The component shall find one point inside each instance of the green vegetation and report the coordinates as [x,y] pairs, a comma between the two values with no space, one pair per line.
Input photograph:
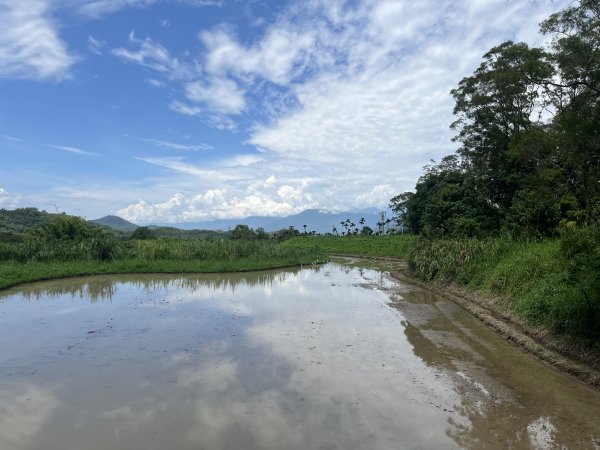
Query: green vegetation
[14,273]
[549,282]
[66,246]
[394,246]
[515,172]
[14,223]
[514,213]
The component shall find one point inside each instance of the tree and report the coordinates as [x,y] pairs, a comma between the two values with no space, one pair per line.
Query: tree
[286,233]
[142,233]
[576,55]
[493,105]
[261,233]
[366,231]
[446,201]
[62,227]
[243,232]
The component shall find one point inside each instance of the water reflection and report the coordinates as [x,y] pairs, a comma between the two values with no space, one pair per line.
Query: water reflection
[293,359]
[102,288]
[510,399]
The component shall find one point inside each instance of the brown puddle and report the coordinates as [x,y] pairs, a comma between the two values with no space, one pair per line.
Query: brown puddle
[328,357]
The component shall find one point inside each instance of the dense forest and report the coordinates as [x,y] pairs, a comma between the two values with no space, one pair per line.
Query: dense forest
[528,125]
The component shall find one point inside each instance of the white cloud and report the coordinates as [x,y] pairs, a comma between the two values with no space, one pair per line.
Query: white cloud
[273,58]
[75,150]
[144,212]
[30,46]
[185,109]
[220,204]
[178,165]
[12,138]
[98,8]
[8,200]
[177,146]
[152,55]
[346,100]
[94,45]
[220,95]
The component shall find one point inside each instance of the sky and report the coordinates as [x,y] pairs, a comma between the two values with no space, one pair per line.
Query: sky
[172,111]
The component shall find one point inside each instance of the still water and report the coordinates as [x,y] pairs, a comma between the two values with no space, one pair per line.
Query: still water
[332,357]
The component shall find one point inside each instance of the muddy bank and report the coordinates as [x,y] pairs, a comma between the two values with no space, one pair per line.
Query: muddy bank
[551,349]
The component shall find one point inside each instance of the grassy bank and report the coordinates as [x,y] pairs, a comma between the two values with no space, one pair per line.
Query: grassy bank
[550,283]
[27,262]
[381,246]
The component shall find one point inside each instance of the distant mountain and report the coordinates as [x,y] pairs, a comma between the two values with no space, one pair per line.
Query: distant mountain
[314,219]
[116,223]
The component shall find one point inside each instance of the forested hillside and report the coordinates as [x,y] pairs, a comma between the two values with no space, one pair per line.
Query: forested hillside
[13,223]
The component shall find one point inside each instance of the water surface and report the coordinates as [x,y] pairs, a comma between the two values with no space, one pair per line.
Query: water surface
[333,357]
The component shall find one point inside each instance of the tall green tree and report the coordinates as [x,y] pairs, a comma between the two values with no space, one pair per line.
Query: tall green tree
[575,52]
[499,101]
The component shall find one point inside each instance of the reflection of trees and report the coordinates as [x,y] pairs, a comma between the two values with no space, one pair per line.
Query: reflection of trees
[102,288]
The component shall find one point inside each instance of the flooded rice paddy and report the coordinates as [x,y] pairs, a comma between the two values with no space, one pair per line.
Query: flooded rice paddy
[330,357]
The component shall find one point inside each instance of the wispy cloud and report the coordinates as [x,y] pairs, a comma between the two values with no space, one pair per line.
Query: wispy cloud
[95,46]
[98,8]
[177,146]
[75,150]
[219,95]
[12,138]
[180,166]
[154,56]
[30,46]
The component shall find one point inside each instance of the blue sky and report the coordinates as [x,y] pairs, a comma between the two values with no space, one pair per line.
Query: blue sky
[191,110]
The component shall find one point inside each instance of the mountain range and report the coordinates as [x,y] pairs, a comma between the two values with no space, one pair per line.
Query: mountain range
[314,219]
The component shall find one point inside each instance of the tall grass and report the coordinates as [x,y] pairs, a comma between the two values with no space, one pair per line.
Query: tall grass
[391,246]
[37,259]
[552,283]
[108,249]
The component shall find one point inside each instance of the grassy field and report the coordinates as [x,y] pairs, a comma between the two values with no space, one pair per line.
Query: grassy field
[22,263]
[383,246]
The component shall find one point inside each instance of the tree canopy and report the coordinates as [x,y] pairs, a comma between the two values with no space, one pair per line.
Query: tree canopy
[528,125]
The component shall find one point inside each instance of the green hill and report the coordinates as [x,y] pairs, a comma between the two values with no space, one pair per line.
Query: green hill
[13,223]
[116,223]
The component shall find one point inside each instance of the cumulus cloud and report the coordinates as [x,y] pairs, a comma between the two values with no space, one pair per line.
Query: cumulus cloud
[8,200]
[261,197]
[346,101]
[30,45]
